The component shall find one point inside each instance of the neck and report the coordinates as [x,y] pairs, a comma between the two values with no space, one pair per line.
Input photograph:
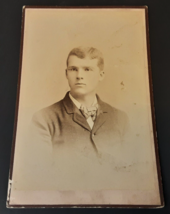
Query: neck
[86,100]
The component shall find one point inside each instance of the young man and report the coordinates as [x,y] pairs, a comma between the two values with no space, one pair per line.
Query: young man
[81,123]
[80,139]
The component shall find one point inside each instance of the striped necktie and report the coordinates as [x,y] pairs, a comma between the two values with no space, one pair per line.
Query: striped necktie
[89,112]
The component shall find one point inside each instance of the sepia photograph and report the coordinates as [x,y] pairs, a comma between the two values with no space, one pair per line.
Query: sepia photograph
[85,127]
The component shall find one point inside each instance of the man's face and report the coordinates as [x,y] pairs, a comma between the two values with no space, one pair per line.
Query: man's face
[83,75]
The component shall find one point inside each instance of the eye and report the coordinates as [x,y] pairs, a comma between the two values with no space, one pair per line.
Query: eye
[87,69]
[74,69]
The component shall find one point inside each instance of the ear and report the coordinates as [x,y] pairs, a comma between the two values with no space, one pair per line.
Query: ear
[66,72]
[102,75]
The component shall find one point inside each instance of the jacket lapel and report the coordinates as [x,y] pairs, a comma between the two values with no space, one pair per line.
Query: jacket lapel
[80,119]
[102,115]
[77,116]
[100,120]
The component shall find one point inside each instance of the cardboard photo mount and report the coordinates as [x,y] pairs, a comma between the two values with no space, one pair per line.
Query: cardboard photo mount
[49,33]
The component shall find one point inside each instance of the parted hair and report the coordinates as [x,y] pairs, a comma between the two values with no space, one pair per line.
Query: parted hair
[92,53]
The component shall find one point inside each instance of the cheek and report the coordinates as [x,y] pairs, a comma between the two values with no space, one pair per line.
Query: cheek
[93,79]
[70,77]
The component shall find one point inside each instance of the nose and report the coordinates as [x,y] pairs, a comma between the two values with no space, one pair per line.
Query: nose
[79,74]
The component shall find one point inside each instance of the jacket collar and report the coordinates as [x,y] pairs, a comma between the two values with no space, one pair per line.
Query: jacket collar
[68,104]
[70,107]
[78,117]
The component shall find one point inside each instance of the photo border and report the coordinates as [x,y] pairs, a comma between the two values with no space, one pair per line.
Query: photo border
[152,112]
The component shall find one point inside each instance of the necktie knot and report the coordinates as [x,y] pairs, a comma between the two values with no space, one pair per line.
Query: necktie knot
[89,112]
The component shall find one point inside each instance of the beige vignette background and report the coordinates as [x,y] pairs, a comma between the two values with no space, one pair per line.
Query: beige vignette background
[120,34]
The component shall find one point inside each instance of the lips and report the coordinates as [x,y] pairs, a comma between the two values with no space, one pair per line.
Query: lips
[80,84]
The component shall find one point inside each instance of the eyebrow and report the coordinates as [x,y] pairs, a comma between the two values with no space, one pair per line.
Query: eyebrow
[88,67]
[72,66]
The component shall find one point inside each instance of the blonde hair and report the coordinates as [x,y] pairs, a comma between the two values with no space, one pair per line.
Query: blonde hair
[92,53]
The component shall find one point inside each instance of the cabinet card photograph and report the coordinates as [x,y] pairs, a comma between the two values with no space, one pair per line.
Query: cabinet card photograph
[85,127]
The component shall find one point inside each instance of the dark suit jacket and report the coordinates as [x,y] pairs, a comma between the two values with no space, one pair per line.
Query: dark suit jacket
[63,153]
[62,127]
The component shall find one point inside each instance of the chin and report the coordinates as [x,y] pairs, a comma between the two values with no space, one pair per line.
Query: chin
[79,92]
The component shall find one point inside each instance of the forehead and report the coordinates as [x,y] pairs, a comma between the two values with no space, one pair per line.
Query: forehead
[75,61]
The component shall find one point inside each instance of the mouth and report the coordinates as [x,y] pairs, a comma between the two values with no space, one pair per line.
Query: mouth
[80,84]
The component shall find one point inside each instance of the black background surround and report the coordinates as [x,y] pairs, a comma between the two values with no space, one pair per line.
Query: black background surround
[10,35]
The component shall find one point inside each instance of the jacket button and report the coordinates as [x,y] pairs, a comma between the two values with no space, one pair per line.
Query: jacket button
[93,135]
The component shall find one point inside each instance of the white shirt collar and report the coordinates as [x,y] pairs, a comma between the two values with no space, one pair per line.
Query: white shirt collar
[79,104]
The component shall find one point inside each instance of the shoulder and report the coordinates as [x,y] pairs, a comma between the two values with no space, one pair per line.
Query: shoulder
[119,119]
[105,107]
[114,114]
[55,112]
[48,113]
